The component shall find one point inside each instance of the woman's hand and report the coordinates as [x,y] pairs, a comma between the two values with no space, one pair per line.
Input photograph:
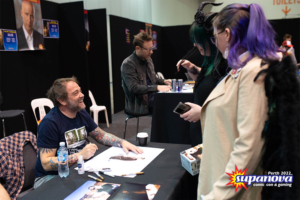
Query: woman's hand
[193,115]
[185,63]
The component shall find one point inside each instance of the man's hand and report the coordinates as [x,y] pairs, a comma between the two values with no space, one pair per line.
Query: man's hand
[88,151]
[130,147]
[168,81]
[193,115]
[185,63]
[163,88]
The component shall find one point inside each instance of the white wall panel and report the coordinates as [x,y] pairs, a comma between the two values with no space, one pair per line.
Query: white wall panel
[125,9]
[174,12]
[272,8]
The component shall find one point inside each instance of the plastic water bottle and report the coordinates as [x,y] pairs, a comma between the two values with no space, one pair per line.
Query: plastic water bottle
[63,158]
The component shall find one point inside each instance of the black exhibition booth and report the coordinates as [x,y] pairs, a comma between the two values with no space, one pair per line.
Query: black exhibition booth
[28,75]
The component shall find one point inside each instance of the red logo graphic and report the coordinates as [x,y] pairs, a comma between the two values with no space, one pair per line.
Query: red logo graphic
[233,179]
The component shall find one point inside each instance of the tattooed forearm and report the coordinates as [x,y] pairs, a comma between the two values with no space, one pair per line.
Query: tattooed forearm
[106,138]
[44,150]
[53,163]
[73,159]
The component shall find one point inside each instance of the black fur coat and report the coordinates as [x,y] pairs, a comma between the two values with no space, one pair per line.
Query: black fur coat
[281,152]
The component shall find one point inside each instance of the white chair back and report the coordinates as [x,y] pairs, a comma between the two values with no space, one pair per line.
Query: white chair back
[95,109]
[40,103]
[160,75]
[92,98]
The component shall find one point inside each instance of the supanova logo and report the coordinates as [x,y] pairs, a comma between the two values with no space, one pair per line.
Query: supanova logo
[239,179]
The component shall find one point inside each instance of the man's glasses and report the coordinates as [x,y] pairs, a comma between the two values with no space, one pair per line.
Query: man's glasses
[213,39]
[151,48]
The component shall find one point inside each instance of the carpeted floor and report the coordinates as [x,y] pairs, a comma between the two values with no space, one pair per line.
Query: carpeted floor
[118,125]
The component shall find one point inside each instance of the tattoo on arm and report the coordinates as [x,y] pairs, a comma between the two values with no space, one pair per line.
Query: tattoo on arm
[73,159]
[106,138]
[45,150]
[53,163]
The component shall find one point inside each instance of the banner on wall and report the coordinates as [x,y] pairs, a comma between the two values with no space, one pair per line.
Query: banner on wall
[127,36]
[154,36]
[8,40]
[29,25]
[87,30]
[51,28]
[148,28]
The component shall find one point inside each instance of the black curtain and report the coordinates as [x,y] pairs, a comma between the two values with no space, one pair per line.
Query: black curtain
[73,55]
[288,26]
[176,43]
[98,61]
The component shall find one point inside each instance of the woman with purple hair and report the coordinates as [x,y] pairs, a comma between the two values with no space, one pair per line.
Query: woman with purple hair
[250,121]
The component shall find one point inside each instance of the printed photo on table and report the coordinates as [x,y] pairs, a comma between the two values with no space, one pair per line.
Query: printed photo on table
[94,190]
[137,191]
[126,158]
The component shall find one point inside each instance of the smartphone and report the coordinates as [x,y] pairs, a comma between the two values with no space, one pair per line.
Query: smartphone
[181,108]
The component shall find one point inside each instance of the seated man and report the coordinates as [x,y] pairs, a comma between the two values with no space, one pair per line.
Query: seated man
[3,194]
[65,123]
[139,78]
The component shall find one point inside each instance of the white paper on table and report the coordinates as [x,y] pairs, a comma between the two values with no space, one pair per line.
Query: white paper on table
[119,167]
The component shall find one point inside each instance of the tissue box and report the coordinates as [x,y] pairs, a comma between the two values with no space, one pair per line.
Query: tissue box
[191,158]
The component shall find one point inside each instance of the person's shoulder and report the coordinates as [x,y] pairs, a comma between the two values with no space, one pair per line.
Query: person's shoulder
[253,65]
[52,115]
[50,121]
[128,62]
[256,64]
[129,59]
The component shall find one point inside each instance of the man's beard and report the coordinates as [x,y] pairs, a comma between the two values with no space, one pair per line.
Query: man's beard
[74,107]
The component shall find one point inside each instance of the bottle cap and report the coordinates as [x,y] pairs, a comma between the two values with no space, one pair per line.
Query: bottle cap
[62,144]
[80,158]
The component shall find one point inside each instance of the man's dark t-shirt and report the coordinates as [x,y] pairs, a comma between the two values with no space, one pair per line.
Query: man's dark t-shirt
[56,128]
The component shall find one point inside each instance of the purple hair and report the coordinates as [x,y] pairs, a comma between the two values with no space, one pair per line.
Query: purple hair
[250,31]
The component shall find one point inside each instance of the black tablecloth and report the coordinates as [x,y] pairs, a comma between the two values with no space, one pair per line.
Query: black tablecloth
[167,126]
[164,170]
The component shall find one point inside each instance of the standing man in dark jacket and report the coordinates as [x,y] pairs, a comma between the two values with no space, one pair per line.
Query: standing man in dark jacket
[139,79]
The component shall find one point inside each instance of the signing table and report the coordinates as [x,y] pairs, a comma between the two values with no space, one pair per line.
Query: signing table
[164,170]
[167,126]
